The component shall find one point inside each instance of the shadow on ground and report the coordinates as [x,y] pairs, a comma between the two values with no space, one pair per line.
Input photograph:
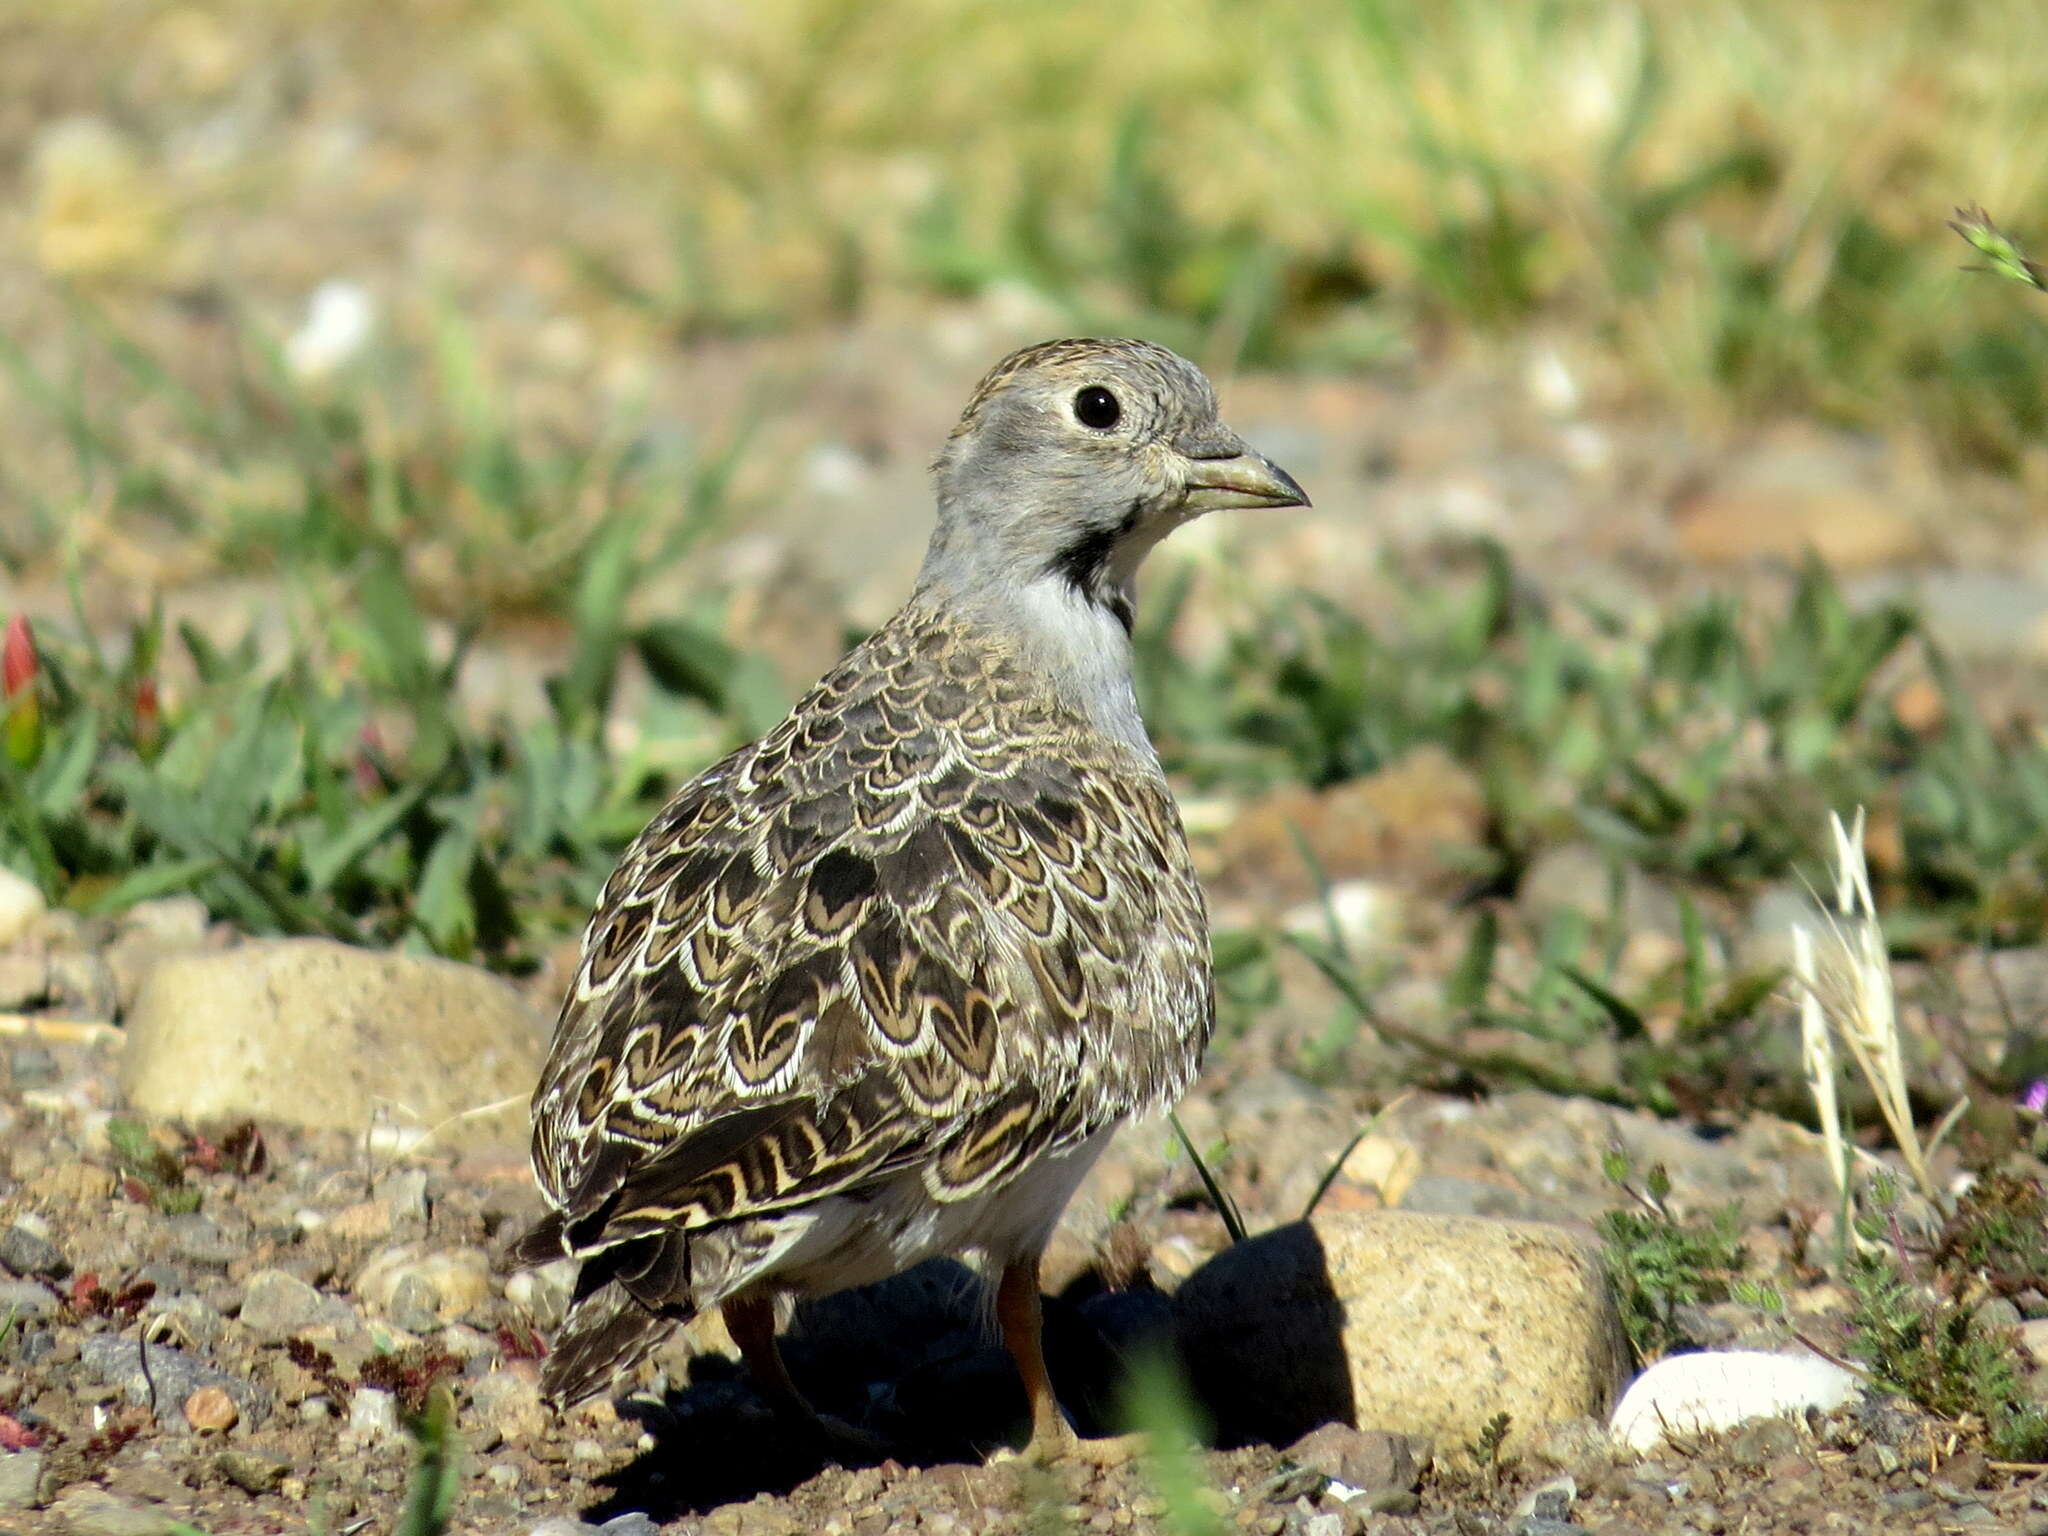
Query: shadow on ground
[914,1365]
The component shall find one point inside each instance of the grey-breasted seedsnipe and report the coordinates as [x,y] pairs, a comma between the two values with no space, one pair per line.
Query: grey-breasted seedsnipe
[881,985]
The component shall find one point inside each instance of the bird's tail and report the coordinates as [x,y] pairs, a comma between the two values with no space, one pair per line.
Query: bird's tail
[628,1296]
[605,1335]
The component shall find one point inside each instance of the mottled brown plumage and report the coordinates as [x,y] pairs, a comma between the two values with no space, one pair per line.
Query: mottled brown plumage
[879,984]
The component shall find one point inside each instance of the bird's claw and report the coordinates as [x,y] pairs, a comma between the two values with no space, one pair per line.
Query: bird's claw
[1062,1447]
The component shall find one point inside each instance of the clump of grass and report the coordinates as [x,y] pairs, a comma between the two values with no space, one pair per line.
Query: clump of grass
[1697,747]
[1658,1263]
[436,1473]
[1998,1233]
[1845,989]
[1911,1314]
[1485,1449]
[1340,176]
[340,792]
[1701,742]
[413,455]
[1917,1336]
[150,1170]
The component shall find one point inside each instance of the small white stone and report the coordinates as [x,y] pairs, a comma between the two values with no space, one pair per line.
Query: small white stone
[21,903]
[1719,1389]
[339,320]
[1550,382]
[373,1413]
[1367,914]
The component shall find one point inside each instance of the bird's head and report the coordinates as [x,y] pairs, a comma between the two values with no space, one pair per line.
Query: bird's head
[1073,458]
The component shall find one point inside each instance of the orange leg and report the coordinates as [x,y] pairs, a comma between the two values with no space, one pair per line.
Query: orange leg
[1023,1324]
[750,1319]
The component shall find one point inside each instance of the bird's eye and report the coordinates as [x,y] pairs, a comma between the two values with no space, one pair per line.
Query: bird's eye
[1096,407]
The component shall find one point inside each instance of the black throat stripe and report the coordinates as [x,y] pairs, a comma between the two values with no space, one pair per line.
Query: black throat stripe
[1083,562]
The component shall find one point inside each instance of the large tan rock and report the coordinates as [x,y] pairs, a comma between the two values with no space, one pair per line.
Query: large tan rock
[315,1034]
[1422,1325]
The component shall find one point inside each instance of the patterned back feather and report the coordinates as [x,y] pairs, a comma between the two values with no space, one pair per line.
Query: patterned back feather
[909,929]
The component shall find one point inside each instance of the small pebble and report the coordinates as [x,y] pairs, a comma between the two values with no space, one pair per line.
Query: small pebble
[27,1253]
[211,1409]
[1552,1501]
[21,903]
[33,1067]
[252,1471]
[373,1413]
[21,1474]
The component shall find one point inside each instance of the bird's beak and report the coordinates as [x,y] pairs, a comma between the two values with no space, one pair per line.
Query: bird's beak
[1228,474]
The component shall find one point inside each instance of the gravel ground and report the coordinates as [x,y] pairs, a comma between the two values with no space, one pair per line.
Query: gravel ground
[231,1330]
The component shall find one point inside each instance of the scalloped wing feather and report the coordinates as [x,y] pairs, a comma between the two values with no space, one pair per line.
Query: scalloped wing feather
[929,922]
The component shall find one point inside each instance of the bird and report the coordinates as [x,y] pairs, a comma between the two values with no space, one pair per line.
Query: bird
[880,986]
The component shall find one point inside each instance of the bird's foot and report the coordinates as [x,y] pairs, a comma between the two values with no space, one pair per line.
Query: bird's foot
[1062,1447]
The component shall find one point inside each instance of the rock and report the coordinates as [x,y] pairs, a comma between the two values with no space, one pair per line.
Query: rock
[252,1471]
[509,1402]
[1990,614]
[1366,1460]
[316,1034]
[276,1306]
[149,931]
[198,1238]
[26,1301]
[1423,1325]
[1715,1390]
[1578,877]
[21,1475]
[210,1410]
[81,983]
[167,1378]
[1799,490]
[88,1511]
[1761,1442]
[543,1293]
[1551,1501]
[1400,820]
[420,1288]
[373,1414]
[365,1221]
[24,978]
[29,1253]
[21,906]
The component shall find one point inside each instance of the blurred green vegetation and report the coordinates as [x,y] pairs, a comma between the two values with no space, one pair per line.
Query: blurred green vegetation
[1742,203]
[1744,200]
[1740,206]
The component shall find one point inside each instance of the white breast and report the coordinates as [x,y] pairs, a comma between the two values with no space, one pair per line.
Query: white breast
[1086,655]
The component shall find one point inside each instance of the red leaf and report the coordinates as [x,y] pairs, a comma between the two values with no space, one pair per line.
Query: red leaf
[17,1436]
[18,664]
